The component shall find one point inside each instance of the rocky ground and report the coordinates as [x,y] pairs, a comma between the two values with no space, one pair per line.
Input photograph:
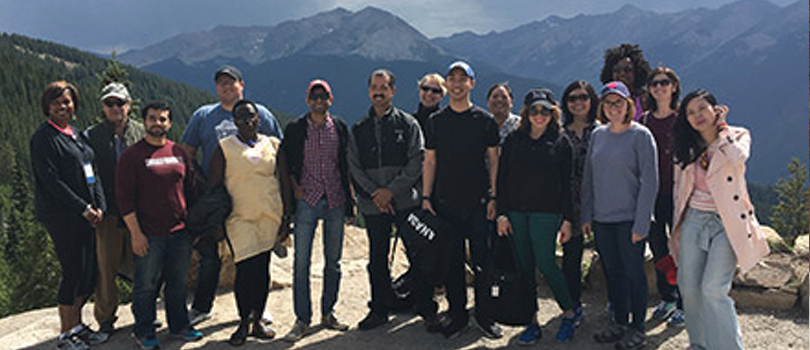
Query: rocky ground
[762,329]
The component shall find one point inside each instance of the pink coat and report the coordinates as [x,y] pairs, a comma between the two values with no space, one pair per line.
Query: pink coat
[726,181]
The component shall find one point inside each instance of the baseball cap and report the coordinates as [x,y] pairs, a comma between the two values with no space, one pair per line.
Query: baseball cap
[464,66]
[540,96]
[614,87]
[321,83]
[230,71]
[116,90]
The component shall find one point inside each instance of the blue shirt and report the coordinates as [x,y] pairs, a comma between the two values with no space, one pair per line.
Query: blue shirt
[211,123]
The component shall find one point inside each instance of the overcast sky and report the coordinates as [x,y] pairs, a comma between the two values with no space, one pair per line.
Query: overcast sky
[102,25]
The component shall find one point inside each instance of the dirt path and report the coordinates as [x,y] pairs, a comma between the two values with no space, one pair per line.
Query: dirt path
[37,329]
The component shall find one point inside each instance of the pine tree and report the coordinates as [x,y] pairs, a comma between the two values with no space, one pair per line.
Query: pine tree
[791,217]
[115,73]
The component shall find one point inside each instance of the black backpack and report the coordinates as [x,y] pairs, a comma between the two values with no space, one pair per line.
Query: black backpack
[507,296]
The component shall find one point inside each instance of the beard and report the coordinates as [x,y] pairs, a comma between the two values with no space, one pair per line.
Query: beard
[156,132]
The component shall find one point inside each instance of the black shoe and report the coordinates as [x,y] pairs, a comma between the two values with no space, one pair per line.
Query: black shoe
[433,324]
[455,327]
[240,335]
[489,328]
[372,320]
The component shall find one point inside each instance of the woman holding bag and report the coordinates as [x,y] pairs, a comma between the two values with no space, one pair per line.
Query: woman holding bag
[534,184]
[714,224]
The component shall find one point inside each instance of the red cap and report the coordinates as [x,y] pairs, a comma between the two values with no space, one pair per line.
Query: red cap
[322,83]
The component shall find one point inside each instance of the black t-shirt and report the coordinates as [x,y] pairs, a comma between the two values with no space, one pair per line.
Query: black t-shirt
[460,141]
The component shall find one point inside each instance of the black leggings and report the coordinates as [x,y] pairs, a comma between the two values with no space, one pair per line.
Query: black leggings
[74,241]
[252,285]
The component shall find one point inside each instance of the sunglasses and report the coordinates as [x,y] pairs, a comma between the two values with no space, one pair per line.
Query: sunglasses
[661,82]
[431,89]
[541,111]
[580,97]
[319,96]
[114,102]
[622,69]
[615,104]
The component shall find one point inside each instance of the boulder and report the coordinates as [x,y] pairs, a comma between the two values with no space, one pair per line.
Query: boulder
[775,241]
[802,246]
[772,284]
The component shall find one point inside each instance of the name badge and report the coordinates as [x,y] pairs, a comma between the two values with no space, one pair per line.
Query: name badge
[89,174]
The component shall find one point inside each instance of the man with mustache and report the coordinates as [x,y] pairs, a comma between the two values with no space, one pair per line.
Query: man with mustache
[385,160]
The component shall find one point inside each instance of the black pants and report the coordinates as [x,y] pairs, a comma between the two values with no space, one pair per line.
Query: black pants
[475,228]
[658,245]
[252,285]
[208,276]
[379,230]
[572,267]
[74,241]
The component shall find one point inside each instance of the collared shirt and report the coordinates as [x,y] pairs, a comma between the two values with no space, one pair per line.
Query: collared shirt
[509,125]
[320,175]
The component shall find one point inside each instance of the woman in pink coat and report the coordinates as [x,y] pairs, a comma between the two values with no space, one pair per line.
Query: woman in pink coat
[715,229]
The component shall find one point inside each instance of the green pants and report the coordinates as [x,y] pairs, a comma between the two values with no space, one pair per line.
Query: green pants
[535,239]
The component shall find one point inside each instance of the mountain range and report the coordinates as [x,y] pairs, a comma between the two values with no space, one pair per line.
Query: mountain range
[750,53]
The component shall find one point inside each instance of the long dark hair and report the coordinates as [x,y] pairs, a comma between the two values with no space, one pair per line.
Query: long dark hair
[688,142]
[568,118]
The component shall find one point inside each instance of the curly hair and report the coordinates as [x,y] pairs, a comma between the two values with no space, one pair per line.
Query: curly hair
[641,68]
[688,143]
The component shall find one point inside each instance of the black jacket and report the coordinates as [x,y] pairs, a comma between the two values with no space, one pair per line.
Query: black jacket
[293,147]
[101,138]
[210,212]
[61,189]
[535,175]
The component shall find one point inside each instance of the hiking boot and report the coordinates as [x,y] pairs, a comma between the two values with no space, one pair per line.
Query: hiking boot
[489,328]
[329,321]
[190,334]
[91,337]
[677,319]
[663,309]
[372,320]
[299,330]
[566,331]
[530,335]
[196,317]
[71,343]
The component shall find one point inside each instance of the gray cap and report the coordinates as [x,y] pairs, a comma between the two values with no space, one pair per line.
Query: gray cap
[116,90]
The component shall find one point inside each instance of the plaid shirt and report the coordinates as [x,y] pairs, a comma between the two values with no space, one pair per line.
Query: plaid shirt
[320,174]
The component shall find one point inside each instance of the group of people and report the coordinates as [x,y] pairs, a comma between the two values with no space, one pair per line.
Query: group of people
[630,164]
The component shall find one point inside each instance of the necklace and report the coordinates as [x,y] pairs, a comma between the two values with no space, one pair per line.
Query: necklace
[704,160]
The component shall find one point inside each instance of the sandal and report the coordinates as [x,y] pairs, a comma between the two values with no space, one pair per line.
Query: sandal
[634,339]
[611,334]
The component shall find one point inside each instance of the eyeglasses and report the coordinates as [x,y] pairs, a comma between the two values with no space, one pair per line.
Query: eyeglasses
[623,69]
[319,96]
[431,89]
[661,82]
[580,97]
[615,104]
[541,111]
[113,102]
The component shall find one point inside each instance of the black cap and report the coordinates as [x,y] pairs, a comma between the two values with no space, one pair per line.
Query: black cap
[230,71]
[540,96]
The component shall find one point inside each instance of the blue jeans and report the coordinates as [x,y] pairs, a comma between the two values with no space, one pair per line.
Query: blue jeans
[166,260]
[306,220]
[624,264]
[706,265]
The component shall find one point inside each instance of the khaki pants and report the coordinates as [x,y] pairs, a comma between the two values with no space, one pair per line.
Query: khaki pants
[114,254]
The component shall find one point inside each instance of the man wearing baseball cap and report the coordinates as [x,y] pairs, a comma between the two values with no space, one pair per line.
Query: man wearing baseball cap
[459,174]
[316,149]
[108,139]
[207,126]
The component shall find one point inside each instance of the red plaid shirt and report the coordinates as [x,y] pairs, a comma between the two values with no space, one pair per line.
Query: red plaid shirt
[320,174]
